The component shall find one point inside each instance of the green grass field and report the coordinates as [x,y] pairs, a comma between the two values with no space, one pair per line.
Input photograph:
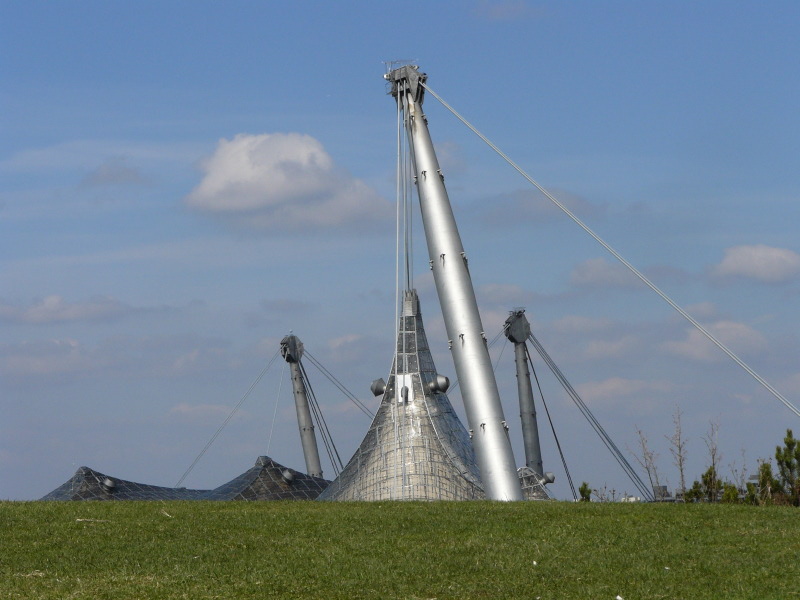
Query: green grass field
[397,550]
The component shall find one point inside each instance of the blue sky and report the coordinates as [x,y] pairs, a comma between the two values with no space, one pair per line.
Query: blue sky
[154,249]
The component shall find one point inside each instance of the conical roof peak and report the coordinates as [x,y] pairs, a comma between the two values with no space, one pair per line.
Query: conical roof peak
[416,447]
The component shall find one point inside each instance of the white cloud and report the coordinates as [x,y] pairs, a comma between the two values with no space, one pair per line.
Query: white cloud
[580,324]
[598,272]
[493,321]
[740,338]
[346,349]
[54,309]
[450,157]
[344,341]
[702,310]
[279,180]
[619,388]
[610,348]
[507,295]
[198,360]
[759,262]
[35,359]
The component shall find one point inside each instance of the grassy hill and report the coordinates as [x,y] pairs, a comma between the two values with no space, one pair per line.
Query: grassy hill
[439,550]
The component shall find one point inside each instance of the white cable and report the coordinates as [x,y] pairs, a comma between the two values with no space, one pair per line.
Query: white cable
[227,420]
[399,177]
[397,302]
[275,410]
[629,266]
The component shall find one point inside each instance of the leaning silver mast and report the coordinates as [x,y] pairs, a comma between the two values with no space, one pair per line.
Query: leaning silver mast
[457,298]
[292,352]
[517,329]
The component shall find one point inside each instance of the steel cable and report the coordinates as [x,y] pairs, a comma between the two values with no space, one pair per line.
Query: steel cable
[601,432]
[350,396]
[552,427]
[622,260]
[227,420]
[327,438]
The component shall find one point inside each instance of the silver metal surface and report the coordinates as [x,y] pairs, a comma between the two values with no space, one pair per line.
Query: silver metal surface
[457,298]
[416,447]
[533,484]
[267,480]
[517,329]
[292,352]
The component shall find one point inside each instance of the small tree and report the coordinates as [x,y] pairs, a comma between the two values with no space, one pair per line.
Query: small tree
[768,486]
[604,494]
[739,476]
[788,459]
[712,484]
[678,448]
[695,493]
[751,495]
[730,493]
[647,459]
[586,492]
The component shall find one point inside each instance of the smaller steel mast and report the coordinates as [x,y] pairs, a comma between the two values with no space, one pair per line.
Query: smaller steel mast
[292,352]
[448,261]
[517,330]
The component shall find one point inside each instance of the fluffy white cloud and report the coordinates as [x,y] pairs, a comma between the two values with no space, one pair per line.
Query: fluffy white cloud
[283,180]
[740,338]
[760,262]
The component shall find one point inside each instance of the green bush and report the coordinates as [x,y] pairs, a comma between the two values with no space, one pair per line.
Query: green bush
[788,460]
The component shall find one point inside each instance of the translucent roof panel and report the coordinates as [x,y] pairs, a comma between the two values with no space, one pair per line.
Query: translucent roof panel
[416,447]
[267,480]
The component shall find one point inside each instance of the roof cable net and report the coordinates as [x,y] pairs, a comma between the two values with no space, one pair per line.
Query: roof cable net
[416,447]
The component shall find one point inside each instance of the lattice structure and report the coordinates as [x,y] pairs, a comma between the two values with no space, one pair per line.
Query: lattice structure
[533,484]
[416,447]
[267,480]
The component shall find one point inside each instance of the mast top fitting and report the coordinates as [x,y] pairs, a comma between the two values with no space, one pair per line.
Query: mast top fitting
[517,328]
[407,80]
[291,349]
